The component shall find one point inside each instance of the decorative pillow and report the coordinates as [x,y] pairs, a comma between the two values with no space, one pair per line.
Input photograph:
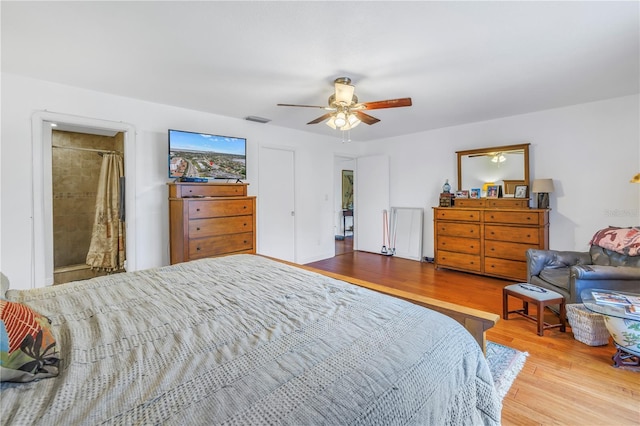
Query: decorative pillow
[621,240]
[27,347]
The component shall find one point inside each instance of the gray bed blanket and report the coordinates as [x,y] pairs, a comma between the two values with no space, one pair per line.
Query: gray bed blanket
[244,340]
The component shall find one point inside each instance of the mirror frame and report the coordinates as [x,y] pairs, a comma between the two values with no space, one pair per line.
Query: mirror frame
[523,146]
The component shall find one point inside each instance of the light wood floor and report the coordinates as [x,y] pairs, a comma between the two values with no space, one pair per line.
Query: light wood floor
[563,382]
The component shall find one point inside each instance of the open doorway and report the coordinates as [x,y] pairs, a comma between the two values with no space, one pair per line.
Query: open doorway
[344,218]
[80,187]
[43,123]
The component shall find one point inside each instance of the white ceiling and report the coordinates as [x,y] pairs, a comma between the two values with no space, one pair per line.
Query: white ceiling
[460,62]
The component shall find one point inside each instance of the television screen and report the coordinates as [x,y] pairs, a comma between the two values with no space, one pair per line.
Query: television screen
[201,155]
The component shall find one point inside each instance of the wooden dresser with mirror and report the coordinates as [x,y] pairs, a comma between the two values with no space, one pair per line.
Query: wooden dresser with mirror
[490,236]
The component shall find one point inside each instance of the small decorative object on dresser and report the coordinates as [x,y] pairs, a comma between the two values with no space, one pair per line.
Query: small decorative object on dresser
[446,188]
[521,191]
[474,193]
[462,194]
[446,199]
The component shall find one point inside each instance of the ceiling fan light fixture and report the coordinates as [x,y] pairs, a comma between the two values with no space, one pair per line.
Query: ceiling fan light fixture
[332,122]
[499,158]
[340,120]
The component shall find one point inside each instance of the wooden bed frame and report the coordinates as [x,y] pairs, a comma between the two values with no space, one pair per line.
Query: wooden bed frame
[475,321]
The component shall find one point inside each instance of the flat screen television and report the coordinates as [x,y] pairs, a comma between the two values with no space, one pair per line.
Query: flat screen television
[202,155]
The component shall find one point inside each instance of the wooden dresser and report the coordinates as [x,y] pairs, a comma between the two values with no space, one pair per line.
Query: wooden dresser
[484,239]
[210,219]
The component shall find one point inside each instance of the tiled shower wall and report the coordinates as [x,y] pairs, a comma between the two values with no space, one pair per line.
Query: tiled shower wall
[75,184]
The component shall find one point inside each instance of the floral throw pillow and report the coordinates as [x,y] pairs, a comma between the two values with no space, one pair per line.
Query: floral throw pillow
[621,240]
[27,347]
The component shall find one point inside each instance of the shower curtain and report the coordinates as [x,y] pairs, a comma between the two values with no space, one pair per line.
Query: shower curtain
[107,248]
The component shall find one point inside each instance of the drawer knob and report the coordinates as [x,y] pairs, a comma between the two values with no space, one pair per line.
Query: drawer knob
[197,210]
[197,248]
[244,207]
[197,229]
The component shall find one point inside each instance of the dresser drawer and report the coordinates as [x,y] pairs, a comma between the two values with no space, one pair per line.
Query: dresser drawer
[205,247]
[467,230]
[511,269]
[511,233]
[521,218]
[217,208]
[510,203]
[467,262]
[458,214]
[460,245]
[506,250]
[201,228]
[469,202]
[182,190]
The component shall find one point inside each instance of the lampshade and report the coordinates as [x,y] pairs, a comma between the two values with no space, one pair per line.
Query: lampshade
[342,121]
[635,179]
[542,185]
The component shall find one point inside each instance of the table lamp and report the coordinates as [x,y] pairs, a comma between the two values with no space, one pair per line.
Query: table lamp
[542,187]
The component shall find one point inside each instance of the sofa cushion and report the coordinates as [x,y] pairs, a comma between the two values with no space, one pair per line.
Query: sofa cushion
[604,257]
[558,277]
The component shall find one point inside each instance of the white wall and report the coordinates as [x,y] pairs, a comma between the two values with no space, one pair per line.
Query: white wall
[591,151]
[22,97]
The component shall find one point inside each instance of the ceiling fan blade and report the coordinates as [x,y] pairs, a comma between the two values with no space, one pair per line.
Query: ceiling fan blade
[365,118]
[390,103]
[320,119]
[344,93]
[303,106]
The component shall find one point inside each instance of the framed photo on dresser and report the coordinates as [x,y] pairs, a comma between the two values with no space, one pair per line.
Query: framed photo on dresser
[521,191]
[493,191]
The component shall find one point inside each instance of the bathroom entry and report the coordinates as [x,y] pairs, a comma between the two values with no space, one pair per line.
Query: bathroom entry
[77,160]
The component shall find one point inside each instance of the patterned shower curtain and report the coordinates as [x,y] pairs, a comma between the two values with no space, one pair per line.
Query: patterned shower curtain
[107,249]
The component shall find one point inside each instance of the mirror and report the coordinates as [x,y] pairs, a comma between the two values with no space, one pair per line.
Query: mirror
[501,165]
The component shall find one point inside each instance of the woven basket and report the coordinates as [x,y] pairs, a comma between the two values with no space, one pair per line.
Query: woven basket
[588,327]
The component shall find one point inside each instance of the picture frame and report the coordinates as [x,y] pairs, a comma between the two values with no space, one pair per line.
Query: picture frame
[493,191]
[462,194]
[474,193]
[347,189]
[521,191]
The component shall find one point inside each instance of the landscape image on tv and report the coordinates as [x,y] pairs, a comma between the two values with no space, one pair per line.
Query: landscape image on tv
[208,156]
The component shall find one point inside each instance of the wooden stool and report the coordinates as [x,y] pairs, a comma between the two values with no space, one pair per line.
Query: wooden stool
[541,297]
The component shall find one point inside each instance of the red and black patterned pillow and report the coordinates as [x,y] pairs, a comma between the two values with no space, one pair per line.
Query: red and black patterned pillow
[27,346]
[621,240]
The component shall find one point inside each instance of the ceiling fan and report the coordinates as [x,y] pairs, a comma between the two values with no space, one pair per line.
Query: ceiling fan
[345,112]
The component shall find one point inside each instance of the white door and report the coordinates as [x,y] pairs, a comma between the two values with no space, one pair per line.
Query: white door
[276,216]
[371,198]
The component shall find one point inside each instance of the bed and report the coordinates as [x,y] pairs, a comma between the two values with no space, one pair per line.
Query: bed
[244,339]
